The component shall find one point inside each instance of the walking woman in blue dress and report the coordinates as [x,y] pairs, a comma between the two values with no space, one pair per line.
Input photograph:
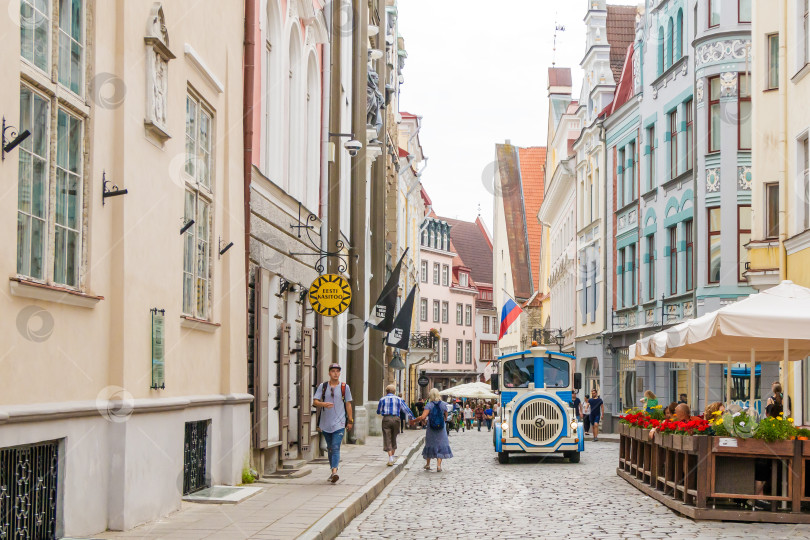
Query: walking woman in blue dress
[437,445]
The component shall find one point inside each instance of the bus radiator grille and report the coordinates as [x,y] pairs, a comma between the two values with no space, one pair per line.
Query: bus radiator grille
[540,422]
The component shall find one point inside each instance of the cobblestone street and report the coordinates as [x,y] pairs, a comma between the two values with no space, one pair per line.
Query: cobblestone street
[474,496]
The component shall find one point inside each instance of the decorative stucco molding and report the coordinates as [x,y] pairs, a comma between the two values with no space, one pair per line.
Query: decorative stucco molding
[713,180]
[744,177]
[720,51]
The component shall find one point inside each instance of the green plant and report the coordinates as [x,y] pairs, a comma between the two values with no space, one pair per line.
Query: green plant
[247,476]
[656,413]
[775,429]
[719,428]
[740,424]
[803,432]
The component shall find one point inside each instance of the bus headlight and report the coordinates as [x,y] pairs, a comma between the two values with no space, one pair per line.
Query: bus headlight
[574,425]
[505,426]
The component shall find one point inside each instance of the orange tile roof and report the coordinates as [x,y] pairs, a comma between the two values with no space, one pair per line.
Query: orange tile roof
[621,32]
[532,172]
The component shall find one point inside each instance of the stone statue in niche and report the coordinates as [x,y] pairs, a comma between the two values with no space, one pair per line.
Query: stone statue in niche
[374,101]
[158,55]
[159,85]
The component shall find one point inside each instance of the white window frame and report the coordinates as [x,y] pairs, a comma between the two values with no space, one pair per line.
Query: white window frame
[445,275]
[445,312]
[468,352]
[424,271]
[436,311]
[459,351]
[423,309]
[436,273]
[198,192]
[459,314]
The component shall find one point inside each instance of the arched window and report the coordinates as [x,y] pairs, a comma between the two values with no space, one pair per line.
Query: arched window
[670,42]
[679,35]
[274,96]
[295,134]
[661,39]
[313,133]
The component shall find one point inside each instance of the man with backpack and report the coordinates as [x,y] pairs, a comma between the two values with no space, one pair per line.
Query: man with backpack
[334,399]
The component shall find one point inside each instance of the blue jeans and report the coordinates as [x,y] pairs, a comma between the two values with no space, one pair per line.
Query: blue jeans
[333,441]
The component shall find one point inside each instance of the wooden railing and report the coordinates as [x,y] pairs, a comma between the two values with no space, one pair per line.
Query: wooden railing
[719,478]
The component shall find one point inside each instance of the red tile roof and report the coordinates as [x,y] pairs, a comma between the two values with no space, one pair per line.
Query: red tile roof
[624,90]
[621,32]
[532,173]
[515,217]
[473,248]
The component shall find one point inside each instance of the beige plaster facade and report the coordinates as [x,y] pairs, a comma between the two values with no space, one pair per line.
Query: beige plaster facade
[84,271]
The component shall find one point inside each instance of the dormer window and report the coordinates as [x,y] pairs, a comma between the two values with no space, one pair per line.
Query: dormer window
[463,279]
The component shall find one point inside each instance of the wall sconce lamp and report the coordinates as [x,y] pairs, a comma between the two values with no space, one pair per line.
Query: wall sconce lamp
[105,192]
[187,226]
[15,138]
[222,250]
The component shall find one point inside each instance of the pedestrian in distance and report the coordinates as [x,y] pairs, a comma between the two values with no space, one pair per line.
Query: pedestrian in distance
[392,408]
[437,445]
[682,399]
[479,415]
[776,401]
[468,416]
[402,416]
[489,414]
[649,401]
[334,399]
[586,415]
[576,404]
[597,407]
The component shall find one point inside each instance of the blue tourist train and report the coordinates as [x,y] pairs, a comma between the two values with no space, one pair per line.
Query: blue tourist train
[536,417]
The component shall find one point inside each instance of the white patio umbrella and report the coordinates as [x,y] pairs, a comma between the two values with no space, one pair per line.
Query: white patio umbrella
[476,390]
[770,326]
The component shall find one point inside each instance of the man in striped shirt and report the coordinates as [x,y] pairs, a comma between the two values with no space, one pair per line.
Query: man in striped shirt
[389,407]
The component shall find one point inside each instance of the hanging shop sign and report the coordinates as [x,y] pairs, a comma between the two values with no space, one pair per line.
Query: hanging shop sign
[423,381]
[330,295]
[158,347]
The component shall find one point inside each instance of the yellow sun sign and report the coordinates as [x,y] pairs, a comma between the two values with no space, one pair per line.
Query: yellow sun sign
[330,295]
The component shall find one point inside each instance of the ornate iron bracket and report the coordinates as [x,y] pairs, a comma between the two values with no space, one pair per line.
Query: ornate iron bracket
[343,264]
[16,139]
[107,192]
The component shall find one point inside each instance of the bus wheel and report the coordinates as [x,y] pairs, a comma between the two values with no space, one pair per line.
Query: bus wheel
[573,457]
[503,458]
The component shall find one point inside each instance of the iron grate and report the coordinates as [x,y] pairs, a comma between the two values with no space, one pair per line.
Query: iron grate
[28,491]
[194,456]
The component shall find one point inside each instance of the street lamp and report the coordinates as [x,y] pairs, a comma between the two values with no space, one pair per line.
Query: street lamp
[559,337]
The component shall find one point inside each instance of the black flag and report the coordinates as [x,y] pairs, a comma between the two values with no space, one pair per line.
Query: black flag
[400,335]
[382,313]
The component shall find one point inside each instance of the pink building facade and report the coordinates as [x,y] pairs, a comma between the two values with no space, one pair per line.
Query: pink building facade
[447,304]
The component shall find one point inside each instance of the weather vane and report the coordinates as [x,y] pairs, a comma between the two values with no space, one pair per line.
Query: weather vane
[557,28]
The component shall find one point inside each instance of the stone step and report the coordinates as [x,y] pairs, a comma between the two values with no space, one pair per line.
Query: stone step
[284,474]
[293,463]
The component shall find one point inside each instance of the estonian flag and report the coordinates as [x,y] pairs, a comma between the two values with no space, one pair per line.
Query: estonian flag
[382,313]
[400,335]
[509,314]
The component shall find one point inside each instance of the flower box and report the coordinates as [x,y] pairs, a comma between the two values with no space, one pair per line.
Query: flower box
[753,447]
[659,438]
[637,433]
[622,429]
[667,440]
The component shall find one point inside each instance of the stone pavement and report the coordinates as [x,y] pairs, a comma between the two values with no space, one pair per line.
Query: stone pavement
[475,497]
[308,506]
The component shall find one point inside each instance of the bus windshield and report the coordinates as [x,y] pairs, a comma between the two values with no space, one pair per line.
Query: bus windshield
[518,373]
[556,373]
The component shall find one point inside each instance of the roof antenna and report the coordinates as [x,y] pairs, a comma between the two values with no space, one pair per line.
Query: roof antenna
[557,28]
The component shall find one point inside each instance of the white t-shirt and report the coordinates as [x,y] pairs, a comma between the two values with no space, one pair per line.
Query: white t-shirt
[586,408]
[468,413]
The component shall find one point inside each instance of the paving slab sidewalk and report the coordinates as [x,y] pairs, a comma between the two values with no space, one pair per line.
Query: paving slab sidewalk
[308,507]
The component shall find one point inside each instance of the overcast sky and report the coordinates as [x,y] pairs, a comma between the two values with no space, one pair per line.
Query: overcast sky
[477,73]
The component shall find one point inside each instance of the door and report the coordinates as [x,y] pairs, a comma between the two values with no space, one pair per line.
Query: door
[261,359]
[284,388]
[305,390]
